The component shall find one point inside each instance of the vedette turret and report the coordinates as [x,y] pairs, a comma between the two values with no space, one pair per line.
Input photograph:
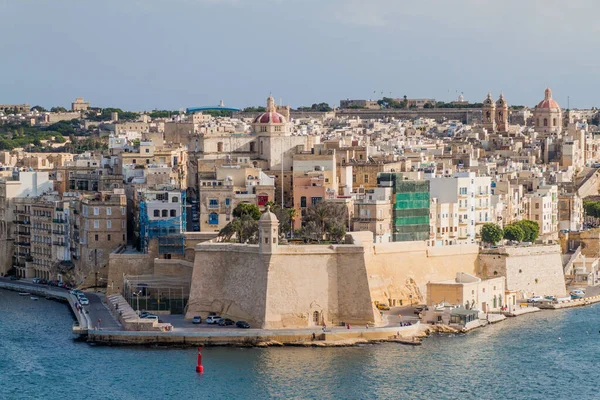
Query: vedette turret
[268,232]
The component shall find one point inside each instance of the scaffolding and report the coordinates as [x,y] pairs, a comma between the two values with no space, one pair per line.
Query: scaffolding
[410,209]
[169,232]
[156,293]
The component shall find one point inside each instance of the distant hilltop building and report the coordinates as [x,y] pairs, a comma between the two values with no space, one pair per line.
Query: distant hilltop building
[18,108]
[80,105]
[368,104]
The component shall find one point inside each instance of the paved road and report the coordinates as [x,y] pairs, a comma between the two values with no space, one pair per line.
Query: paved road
[95,310]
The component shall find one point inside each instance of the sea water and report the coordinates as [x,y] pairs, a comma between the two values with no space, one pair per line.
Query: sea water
[520,358]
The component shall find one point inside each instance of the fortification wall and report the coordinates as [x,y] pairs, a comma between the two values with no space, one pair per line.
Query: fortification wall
[230,280]
[400,270]
[128,264]
[534,270]
[303,286]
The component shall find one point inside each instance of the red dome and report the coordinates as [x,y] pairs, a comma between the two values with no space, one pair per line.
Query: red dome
[548,103]
[270,117]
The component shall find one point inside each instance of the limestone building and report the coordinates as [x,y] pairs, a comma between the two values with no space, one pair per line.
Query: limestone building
[548,115]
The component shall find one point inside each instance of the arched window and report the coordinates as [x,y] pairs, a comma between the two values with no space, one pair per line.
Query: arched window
[165,213]
[545,121]
[553,121]
[261,147]
[316,318]
[220,147]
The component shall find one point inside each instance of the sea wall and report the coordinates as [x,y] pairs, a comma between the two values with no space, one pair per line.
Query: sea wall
[311,285]
[532,270]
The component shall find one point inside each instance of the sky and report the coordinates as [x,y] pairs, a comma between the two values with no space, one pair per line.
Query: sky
[170,54]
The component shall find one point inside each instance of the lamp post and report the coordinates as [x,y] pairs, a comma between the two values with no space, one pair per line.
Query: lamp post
[137,296]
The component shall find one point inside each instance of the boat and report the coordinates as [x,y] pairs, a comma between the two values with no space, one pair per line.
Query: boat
[34,298]
[24,294]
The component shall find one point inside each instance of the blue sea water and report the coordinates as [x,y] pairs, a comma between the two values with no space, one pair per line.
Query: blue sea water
[520,358]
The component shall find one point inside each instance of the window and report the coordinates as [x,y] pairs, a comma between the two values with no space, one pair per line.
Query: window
[553,121]
[165,213]
[172,213]
[545,121]
[96,211]
[175,199]
[96,224]
[315,200]
[213,219]
[123,224]
[303,202]
[157,213]
[147,150]
[353,178]
[463,190]
[108,224]
[108,237]
[227,202]
[108,211]
[123,237]
[213,203]
[123,210]
[96,238]
[366,178]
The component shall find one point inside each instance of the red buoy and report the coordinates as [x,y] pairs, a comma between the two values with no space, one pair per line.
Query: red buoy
[199,367]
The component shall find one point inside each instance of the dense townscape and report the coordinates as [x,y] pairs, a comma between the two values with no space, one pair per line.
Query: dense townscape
[319,216]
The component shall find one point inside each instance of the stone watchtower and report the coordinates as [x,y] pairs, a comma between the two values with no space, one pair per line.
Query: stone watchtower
[502,114]
[268,232]
[489,114]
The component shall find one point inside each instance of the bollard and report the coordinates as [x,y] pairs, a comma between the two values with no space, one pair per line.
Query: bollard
[199,367]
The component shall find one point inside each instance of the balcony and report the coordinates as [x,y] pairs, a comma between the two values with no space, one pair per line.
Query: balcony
[59,221]
[62,244]
[58,232]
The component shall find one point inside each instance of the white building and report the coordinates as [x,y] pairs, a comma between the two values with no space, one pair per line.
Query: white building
[472,194]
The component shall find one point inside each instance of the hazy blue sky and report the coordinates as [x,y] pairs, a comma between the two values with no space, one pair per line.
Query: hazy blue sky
[145,54]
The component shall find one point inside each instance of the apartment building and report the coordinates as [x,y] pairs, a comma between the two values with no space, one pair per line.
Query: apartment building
[472,194]
[373,212]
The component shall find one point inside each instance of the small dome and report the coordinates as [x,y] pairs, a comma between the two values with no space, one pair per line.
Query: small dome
[268,216]
[270,118]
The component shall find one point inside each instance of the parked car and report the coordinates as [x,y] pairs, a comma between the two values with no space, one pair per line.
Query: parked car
[213,319]
[535,299]
[577,294]
[43,282]
[226,322]
[197,320]
[61,284]
[35,280]
[53,283]
[383,306]
[143,314]
[84,301]
[151,316]
[14,278]
[242,324]
[75,292]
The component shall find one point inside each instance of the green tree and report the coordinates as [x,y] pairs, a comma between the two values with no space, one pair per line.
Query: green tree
[592,208]
[250,210]
[39,109]
[491,233]
[531,229]
[58,110]
[325,219]
[514,232]
[284,215]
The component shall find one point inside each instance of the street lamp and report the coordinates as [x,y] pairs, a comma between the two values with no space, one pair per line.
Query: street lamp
[137,296]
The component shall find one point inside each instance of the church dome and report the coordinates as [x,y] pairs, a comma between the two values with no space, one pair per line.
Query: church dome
[548,102]
[272,117]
